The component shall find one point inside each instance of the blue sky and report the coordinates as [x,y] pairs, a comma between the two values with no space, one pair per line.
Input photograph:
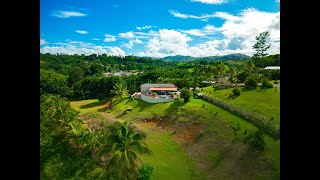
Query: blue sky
[157,28]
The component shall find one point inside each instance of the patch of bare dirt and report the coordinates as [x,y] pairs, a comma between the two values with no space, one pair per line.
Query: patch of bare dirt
[106,105]
[216,156]
[183,133]
[99,121]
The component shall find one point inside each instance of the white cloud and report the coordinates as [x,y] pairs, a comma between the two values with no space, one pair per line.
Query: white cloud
[194,32]
[96,39]
[67,14]
[278,1]
[127,35]
[81,32]
[188,16]
[204,17]
[144,27]
[204,32]
[43,42]
[131,43]
[236,35]
[71,49]
[226,16]
[79,44]
[144,35]
[138,41]
[211,1]
[128,45]
[168,42]
[109,38]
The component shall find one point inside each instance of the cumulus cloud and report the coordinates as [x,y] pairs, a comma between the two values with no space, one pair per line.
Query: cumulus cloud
[211,1]
[67,14]
[43,42]
[236,35]
[81,32]
[72,49]
[132,42]
[109,38]
[144,27]
[168,42]
[127,35]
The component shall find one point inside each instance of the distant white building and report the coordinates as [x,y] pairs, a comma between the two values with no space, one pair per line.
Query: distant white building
[107,74]
[273,67]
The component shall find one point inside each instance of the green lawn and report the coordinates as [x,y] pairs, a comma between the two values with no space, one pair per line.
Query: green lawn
[90,105]
[169,160]
[263,101]
[213,156]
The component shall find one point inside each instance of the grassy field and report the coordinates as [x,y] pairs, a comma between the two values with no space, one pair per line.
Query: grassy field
[186,155]
[263,101]
[169,160]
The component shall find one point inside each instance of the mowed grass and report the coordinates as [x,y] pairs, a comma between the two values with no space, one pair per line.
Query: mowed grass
[263,101]
[78,105]
[169,160]
[214,156]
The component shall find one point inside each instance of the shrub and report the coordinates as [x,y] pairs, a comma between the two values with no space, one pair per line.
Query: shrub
[251,82]
[236,91]
[266,84]
[255,139]
[146,172]
[185,94]
[154,93]
[171,94]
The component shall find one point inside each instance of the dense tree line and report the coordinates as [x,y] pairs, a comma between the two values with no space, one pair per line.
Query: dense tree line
[95,64]
[80,76]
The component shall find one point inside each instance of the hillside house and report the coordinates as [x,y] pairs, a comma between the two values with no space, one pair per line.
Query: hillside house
[272,68]
[157,93]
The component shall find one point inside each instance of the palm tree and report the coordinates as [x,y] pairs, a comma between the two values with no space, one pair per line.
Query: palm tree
[119,89]
[124,144]
[233,75]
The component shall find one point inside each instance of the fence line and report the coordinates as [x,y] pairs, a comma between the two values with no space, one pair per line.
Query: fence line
[262,122]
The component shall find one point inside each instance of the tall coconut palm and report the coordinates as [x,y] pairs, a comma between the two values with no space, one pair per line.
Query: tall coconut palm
[124,145]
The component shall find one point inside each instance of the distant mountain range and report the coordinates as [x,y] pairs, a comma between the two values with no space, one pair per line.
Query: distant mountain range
[235,57]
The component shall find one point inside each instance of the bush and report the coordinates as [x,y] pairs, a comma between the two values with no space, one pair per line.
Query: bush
[185,94]
[255,139]
[251,82]
[236,91]
[146,172]
[171,94]
[266,84]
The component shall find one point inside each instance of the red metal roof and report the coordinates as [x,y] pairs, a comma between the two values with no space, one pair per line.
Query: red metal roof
[163,89]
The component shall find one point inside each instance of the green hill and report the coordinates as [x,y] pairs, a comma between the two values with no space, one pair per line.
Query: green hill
[191,141]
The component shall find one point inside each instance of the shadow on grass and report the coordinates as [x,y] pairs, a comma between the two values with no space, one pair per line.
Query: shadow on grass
[115,102]
[143,104]
[174,107]
[91,105]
